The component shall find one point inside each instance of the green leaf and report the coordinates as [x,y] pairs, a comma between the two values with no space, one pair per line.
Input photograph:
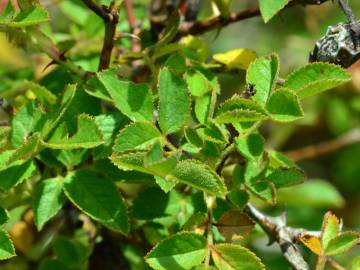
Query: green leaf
[284,177]
[42,93]
[96,88]
[236,59]
[319,194]
[29,17]
[234,225]
[197,83]
[71,158]
[171,29]
[174,102]
[239,109]
[214,133]
[154,203]
[284,106]
[178,252]
[16,174]
[165,50]
[176,62]
[31,90]
[342,243]
[193,137]
[27,150]
[4,216]
[262,74]
[133,100]
[200,176]
[239,115]
[239,198]
[233,257]
[164,184]
[70,252]
[132,160]
[269,8]
[24,122]
[6,247]
[202,108]
[105,167]
[88,135]
[156,163]
[53,118]
[315,78]
[99,198]
[137,135]
[190,172]
[195,48]
[264,190]
[278,159]
[109,125]
[47,200]
[330,229]
[251,146]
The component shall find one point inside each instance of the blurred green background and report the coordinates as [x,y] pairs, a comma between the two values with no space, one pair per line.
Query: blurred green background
[292,35]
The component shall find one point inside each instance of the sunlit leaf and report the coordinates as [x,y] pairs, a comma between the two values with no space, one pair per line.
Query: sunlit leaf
[180,251]
[316,78]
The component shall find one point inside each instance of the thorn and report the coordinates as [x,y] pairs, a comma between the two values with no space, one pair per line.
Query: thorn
[129,35]
[53,62]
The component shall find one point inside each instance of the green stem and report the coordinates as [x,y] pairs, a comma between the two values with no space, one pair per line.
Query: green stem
[320,264]
[210,203]
[212,105]
[227,151]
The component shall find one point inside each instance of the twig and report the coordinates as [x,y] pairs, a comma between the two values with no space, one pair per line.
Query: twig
[100,11]
[285,236]
[201,27]
[335,264]
[344,5]
[133,25]
[110,16]
[312,151]
[130,15]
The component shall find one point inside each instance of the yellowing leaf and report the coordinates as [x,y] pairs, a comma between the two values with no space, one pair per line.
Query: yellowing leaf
[312,242]
[236,59]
